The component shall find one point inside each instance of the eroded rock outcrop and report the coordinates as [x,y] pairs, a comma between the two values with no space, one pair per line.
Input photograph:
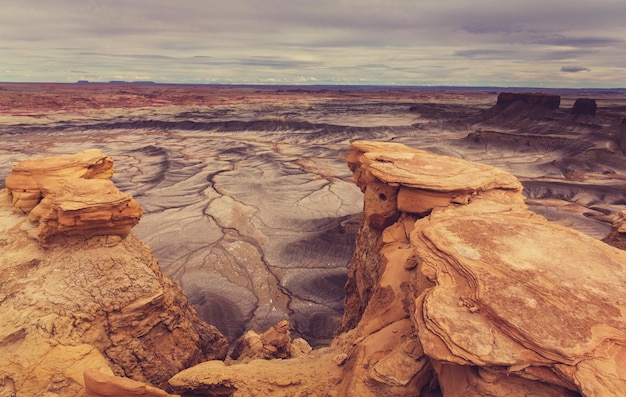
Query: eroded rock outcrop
[515,108]
[482,295]
[97,301]
[466,293]
[72,196]
[275,342]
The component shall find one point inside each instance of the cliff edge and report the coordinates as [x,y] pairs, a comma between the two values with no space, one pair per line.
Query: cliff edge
[474,294]
[455,289]
[78,291]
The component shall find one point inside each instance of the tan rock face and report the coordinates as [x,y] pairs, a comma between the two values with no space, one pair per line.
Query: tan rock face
[486,297]
[99,384]
[72,196]
[274,343]
[99,302]
[466,293]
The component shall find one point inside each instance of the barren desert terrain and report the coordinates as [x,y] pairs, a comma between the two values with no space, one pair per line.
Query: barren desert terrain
[248,200]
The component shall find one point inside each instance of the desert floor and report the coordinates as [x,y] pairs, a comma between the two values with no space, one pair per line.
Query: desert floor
[248,200]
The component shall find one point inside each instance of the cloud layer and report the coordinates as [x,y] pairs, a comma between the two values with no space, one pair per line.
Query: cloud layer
[404,42]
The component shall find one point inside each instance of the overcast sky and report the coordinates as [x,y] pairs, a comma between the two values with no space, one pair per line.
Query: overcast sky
[539,43]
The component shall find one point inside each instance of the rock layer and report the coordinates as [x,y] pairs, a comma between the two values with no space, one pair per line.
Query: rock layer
[97,301]
[493,298]
[464,297]
[72,196]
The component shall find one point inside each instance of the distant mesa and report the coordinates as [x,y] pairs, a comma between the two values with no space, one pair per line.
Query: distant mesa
[549,101]
[82,82]
[513,107]
[586,106]
[130,82]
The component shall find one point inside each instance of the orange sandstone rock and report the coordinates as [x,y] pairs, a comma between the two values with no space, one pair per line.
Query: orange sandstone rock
[72,196]
[99,384]
[99,302]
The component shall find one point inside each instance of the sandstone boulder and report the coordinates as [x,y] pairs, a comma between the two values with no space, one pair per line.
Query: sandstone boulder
[274,343]
[72,196]
[32,179]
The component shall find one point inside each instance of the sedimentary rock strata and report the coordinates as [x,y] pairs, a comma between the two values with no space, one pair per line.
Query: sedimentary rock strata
[97,301]
[464,297]
[72,196]
[493,298]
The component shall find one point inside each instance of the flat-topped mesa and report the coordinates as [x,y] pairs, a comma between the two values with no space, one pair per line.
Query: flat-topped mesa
[397,179]
[549,101]
[72,196]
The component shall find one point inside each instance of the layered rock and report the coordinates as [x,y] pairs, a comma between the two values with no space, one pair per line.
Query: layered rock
[514,109]
[100,302]
[481,295]
[466,293]
[274,343]
[72,196]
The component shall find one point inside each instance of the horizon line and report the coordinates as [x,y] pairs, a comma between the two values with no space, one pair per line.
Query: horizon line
[328,85]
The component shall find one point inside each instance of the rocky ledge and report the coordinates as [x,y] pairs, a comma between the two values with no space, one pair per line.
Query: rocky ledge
[455,289]
[479,296]
[79,292]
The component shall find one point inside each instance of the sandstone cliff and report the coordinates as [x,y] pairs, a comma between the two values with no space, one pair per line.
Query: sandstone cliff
[480,294]
[455,289]
[78,291]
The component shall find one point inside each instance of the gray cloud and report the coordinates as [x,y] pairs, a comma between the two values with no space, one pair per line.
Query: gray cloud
[484,54]
[557,55]
[574,69]
[580,41]
[328,41]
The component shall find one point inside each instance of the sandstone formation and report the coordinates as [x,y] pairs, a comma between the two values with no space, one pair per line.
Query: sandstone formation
[585,106]
[100,384]
[491,298]
[469,294]
[275,342]
[513,109]
[99,300]
[315,375]
[72,196]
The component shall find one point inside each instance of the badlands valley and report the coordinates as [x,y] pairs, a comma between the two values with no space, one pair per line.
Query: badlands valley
[250,206]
